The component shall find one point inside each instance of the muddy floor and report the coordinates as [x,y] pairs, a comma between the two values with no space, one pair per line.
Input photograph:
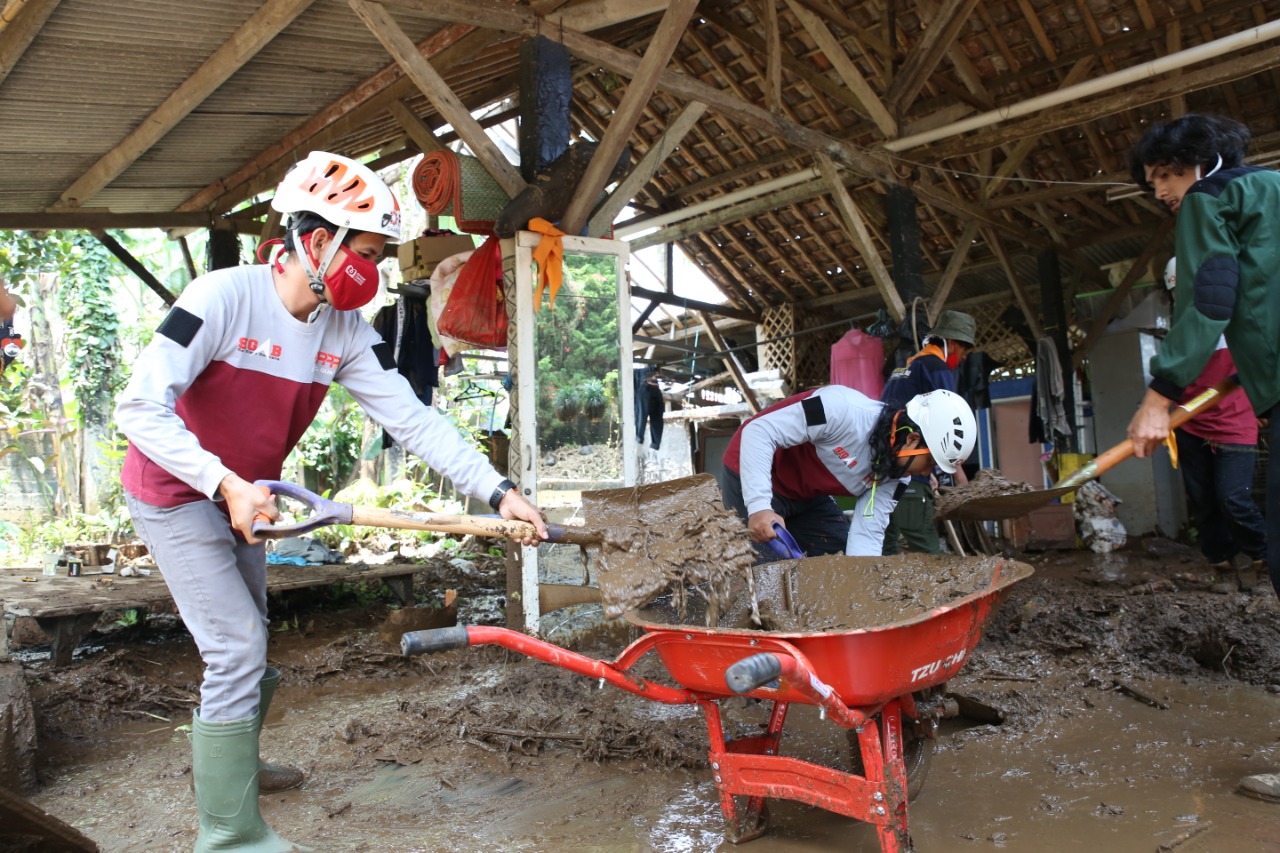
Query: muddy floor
[1133,697]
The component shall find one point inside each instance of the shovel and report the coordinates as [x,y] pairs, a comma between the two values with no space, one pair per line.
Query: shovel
[325,512]
[1000,507]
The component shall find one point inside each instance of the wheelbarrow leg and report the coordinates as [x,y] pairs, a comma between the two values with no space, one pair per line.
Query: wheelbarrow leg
[741,825]
[882,762]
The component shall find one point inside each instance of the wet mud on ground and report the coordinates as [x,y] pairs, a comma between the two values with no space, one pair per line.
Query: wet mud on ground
[1134,699]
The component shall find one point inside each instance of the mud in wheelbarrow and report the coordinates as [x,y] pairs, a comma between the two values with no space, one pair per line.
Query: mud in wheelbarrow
[882,683]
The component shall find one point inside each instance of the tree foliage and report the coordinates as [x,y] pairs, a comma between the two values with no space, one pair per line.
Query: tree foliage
[577,345]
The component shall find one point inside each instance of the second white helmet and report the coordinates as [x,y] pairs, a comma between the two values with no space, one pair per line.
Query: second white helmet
[947,423]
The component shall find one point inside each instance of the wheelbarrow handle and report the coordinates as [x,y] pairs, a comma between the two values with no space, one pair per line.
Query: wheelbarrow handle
[434,640]
[753,673]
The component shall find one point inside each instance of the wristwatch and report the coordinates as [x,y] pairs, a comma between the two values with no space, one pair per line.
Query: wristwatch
[499,493]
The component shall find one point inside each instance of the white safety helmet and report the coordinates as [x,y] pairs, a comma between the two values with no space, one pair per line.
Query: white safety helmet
[341,190]
[1171,274]
[947,424]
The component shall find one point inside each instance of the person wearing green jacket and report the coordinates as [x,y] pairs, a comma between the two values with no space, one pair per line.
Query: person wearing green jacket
[1228,249]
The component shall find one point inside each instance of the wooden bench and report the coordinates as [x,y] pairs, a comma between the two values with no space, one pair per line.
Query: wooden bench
[67,608]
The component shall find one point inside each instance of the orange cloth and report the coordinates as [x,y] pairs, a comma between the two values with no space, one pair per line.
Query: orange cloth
[550,259]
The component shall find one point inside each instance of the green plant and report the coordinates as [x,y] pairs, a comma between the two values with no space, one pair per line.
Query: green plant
[593,399]
[568,403]
[130,618]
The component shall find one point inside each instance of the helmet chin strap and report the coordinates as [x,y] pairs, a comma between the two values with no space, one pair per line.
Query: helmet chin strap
[315,274]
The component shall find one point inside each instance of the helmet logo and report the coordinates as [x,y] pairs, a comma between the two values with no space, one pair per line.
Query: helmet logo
[337,187]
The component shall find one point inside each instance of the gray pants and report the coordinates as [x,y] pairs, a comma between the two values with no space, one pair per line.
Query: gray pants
[220,586]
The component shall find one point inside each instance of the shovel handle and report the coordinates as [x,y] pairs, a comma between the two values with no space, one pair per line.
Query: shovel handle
[325,512]
[1108,459]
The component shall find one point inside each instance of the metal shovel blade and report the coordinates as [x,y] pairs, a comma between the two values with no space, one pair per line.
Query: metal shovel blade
[1001,507]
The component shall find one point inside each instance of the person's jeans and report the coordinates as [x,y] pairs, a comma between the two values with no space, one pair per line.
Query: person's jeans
[818,525]
[219,583]
[1218,479]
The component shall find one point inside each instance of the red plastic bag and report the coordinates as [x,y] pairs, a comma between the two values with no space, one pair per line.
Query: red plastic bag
[476,312]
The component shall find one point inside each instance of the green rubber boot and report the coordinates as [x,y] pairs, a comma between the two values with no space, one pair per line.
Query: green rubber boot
[224,765]
[273,777]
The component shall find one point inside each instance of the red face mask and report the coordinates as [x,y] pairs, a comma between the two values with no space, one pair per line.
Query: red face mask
[352,280]
[953,359]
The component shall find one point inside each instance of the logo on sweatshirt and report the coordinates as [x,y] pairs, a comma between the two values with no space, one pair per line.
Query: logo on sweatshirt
[844,456]
[327,362]
[252,346]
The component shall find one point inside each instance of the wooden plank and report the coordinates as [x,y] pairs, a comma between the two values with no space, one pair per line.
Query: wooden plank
[857,227]
[846,69]
[928,52]
[773,58]
[135,266]
[630,186]
[252,36]
[639,90]
[731,361]
[430,83]
[414,127]
[83,220]
[954,265]
[59,595]
[1019,292]
[20,30]
[344,106]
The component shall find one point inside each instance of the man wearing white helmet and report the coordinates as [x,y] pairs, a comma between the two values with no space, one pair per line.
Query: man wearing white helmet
[1217,450]
[232,379]
[786,464]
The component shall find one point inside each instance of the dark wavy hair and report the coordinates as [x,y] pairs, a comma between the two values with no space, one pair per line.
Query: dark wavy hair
[884,465]
[308,222]
[1192,140]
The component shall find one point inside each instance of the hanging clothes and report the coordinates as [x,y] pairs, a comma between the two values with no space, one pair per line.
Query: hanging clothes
[973,379]
[404,326]
[649,406]
[1050,390]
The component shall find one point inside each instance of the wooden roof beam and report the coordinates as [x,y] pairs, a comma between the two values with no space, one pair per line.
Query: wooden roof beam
[18,28]
[490,13]
[639,90]
[252,36]
[1019,292]
[845,68]
[630,186]
[451,109]
[1062,116]
[928,52]
[861,237]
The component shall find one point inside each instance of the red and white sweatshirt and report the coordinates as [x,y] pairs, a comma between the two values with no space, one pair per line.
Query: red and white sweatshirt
[232,380]
[812,444]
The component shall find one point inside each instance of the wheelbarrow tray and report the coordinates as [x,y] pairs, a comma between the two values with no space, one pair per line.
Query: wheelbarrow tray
[866,666]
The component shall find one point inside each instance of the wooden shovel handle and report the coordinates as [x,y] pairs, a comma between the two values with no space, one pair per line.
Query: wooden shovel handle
[1108,459]
[442,523]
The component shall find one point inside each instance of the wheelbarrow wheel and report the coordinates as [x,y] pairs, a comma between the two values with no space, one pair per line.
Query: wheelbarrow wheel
[917,745]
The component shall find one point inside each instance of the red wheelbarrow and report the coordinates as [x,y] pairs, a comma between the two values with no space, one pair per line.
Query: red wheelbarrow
[883,684]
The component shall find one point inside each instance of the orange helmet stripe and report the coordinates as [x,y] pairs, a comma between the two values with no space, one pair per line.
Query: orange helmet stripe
[338,187]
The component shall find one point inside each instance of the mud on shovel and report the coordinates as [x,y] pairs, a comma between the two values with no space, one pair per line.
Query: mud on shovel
[1000,507]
